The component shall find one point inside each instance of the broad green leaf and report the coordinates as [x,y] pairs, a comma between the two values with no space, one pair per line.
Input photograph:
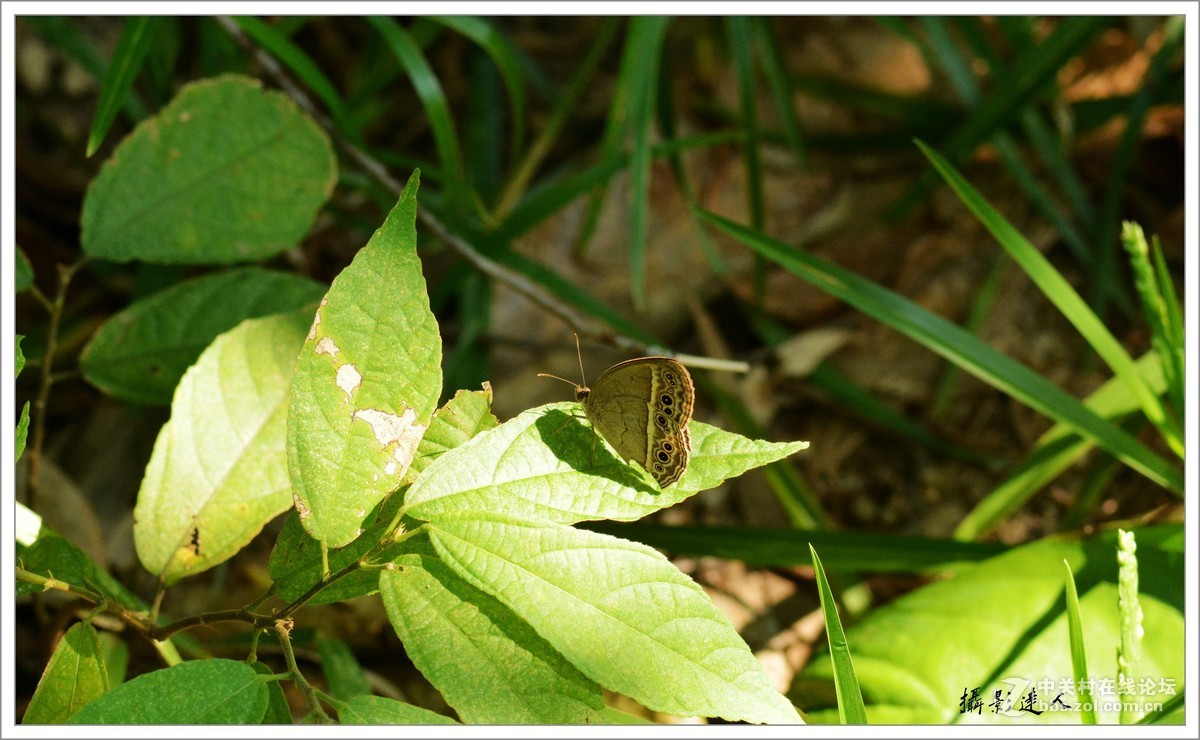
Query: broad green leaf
[278,711]
[74,676]
[343,674]
[379,710]
[1001,625]
[197,692]
[218,472]
[366,384]
[849,696]
[142,351]
[115,653]
[296,561]
[23,272]
[960,347]
[226,172]
[487,663]
[548,463]
[461,418]
[619,611]
[136,40]
[52,556]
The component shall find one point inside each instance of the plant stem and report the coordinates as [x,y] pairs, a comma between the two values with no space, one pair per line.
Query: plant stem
[65,273]
[283,628]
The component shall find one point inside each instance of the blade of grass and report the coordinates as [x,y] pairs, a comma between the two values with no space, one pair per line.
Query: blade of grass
[1169,707]
[1176,339]
[136,40]
[740,42]
[665,111]
[1153,301]
[1106,236]
[1023,82]
[783,548]
[962,77]
[845,681]
[985,295]
[484,126]
[646,36]
[781,88]
[1054,452]
[1060,292]
[565,105]
[1078,654]
[1098,479]
[497,46]
[437,109]
[958,346]
[301,65]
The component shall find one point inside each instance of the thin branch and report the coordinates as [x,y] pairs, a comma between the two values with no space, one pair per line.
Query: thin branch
[65,273]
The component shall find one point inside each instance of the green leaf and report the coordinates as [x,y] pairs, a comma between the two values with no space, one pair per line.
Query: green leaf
[18,356]
[22,272]
[958,346]
[1055,287]
[849,695]
[115,653]
[379,710]
[22,433]
[136,40]
[1078,649]
[296,561]
[548,463]
[74,676]
[619,611]
[198,692]
[226,172]
[487,663]
[1001,625]
[343,674]
[141,352]
[278,711]
[461,418]
[366,383]
[218,472]
[52,556]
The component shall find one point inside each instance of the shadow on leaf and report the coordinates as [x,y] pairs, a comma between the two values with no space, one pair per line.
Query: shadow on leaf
[577,444]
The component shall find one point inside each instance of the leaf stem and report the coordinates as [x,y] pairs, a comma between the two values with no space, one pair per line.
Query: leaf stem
[283,628]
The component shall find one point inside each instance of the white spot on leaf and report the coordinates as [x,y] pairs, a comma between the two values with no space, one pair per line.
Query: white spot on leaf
[326,347]
[348,378]
[398,433]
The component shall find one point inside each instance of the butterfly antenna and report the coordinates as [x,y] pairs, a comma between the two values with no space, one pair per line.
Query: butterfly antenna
[579,354]
[548,375]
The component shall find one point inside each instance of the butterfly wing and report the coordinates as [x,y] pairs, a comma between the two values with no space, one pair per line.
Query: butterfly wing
[642,408]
